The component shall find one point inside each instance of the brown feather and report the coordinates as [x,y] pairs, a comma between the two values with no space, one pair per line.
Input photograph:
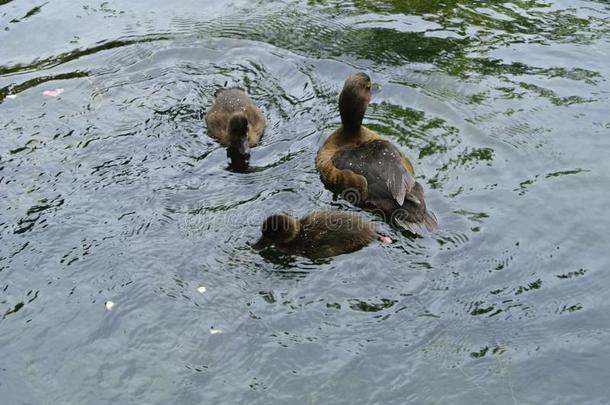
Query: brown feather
[319,234]
[227,103]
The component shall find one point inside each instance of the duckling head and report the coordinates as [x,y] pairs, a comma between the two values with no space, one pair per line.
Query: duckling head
[237,129]
[278,229]
[354,100]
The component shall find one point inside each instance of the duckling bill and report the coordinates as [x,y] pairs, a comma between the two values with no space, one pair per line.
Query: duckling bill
[368,170]
[318,234]
[235,121]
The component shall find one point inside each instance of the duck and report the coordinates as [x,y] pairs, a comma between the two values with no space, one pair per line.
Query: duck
[235,121]
[369,171]
[319,234]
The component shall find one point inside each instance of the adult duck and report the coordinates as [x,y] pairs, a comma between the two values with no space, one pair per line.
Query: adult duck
[369,171]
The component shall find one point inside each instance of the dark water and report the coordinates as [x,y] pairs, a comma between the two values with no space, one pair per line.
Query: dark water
[113,192]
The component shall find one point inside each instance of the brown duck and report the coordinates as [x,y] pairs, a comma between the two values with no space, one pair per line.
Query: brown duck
[235,121]
[369,171]
[318,234]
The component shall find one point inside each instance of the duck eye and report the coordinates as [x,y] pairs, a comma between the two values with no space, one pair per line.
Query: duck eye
[368,86]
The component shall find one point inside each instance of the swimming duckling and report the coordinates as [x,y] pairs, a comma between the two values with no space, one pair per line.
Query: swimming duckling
[369,171]
[235,121]
[318,234]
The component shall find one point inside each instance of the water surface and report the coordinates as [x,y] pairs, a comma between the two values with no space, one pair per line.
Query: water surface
[112,191]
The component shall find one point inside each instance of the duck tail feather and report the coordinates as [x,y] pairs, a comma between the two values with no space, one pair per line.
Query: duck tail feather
[430,221]
[220,89]
[412,227]
[426,224]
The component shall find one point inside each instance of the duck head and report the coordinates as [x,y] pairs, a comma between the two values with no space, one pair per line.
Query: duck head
[278,229]
[353,101]
[237,129]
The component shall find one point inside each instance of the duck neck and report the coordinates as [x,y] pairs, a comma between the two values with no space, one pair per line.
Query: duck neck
[352,111]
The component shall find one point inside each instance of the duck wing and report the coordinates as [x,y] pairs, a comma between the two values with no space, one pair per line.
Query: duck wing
[381,163]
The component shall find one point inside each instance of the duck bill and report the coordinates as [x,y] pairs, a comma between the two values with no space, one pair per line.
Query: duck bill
[243,147]
[375,90]
[261,243]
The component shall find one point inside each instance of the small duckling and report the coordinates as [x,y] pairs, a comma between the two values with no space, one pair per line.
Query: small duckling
[369,171]
[235,121]
[318,234]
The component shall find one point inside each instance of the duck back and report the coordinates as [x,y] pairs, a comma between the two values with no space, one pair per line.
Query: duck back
[391,186]
[230,100]
[331,233]
[380,163]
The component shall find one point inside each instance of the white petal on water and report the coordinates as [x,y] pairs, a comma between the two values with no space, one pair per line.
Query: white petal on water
[11,96]
[385,239]
[109,305]
[215,331]
[201,289]
[53,93]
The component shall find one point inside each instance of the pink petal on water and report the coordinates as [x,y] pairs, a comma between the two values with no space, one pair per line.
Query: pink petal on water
[385,239]
[53,93]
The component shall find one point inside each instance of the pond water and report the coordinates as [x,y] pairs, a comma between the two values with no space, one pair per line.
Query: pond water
[112,191]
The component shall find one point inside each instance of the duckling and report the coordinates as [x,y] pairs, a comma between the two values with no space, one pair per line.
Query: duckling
[318,234]
[369,171]
[235,121]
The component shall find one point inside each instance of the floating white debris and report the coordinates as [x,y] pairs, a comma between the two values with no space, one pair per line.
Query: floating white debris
[53,93]
[201,289]
[215,331]
[109,305]
[11,96]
